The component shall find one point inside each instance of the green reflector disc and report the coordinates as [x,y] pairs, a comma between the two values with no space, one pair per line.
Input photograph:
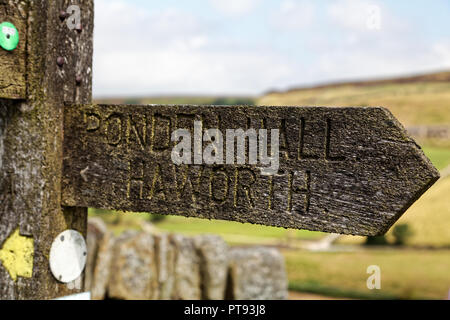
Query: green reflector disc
[9,36]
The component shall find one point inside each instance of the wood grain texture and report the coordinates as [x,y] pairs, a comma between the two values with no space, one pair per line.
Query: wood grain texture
[31,137]
[342,170]
[13,63]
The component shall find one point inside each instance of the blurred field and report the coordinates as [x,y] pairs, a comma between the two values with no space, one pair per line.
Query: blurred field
[236,233]
[197,100]
[405,274]
[440,156]
[232,232]
[429,219]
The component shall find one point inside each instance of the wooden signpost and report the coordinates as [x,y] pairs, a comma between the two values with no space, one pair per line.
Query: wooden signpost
[341,170]
[50,67]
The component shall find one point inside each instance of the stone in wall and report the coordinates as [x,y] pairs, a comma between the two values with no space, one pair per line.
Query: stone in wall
[133,268]
[101,273]
[96,232]
[213,254]
[165,261]
[187,284]
[256,273]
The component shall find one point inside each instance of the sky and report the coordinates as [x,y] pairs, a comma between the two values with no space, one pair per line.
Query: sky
[248,47]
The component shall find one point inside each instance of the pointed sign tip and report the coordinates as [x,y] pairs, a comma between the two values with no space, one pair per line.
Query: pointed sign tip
[429,175]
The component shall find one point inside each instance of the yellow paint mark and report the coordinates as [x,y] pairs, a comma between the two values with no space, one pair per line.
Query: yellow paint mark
[16,255]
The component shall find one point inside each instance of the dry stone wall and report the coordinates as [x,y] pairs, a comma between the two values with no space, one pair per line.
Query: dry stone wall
[146,266]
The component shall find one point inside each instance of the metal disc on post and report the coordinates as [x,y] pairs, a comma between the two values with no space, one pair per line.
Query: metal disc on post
[68,256]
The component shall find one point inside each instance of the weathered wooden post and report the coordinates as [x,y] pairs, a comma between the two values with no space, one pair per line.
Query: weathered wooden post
[50,67]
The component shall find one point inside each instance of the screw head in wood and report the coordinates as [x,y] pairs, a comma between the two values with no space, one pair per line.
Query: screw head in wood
[60,61]
[79,28]
[78,80]
[62,15]
[9,36]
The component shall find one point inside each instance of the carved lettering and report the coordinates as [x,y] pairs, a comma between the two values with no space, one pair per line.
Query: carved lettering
[161,132]
[92,121]
[326,154]
[243,180]
[284,142]
[135,180]
[299,184]
[219,185]
[302,155]
[158,187]
[188,180]
[114,129]
[137,131]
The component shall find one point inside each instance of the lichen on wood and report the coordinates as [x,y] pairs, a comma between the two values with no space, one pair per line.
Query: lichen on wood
[13,84]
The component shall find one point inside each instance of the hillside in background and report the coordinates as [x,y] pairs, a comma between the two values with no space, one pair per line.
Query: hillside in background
[443,76]
[416,101]
[197,100]
[419,100]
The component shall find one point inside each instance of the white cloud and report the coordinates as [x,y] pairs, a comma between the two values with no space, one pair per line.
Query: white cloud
[365,17]
[396,48]
[294,15]
[123,26]
[234,7]
[169,52]
[379,61]
[442,52]
[146,52]
[162,72]
[349,13]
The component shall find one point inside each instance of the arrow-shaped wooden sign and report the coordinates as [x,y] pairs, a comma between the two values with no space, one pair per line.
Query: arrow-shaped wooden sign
[341,170]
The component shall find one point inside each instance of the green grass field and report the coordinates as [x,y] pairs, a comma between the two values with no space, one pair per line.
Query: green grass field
[235,233]
[405,274]
[439,156]
[232,232]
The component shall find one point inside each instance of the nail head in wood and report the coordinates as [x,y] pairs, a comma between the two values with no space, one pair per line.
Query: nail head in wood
[78,80]
[62,15]
[60,61]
